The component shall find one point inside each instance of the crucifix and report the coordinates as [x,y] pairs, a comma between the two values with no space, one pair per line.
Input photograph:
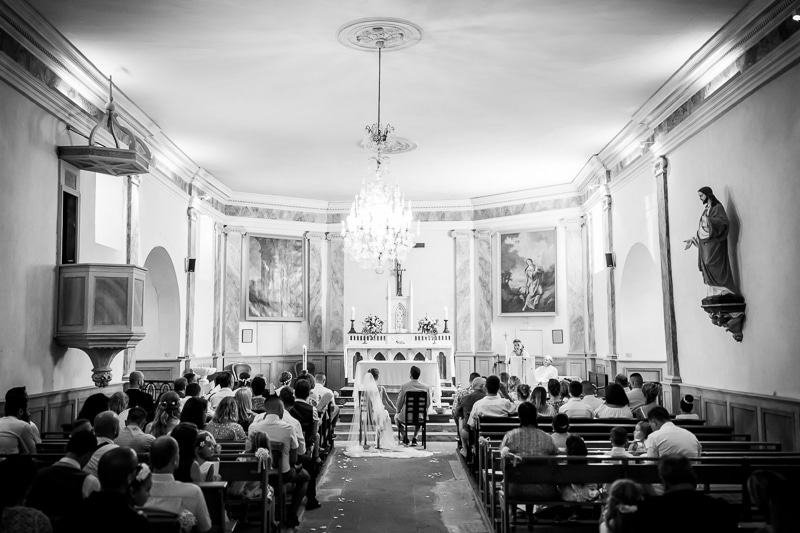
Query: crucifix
[398,275]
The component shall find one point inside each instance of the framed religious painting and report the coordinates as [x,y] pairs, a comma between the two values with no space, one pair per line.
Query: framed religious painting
[526,284]
[275,276]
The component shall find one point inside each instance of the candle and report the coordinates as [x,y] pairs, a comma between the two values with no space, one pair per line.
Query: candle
[352,313]
[305,358]
[445,312]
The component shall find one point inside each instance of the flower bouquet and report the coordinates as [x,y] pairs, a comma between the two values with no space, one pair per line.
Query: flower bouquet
[372,325]
[428,326]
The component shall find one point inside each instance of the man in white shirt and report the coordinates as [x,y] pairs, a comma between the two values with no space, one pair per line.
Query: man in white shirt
[546,372]
[574,406]
[224,391]
[282,432]
[133,436]
[106,429]
[173,496]
[491,404]
[669,439]
[589,397]
[635,395]
[17,434]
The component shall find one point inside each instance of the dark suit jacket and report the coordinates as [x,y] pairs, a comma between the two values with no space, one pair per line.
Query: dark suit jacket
[687,511]
[464,407]
[138,398]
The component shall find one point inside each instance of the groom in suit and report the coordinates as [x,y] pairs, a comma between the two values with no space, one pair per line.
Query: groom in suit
[413,385]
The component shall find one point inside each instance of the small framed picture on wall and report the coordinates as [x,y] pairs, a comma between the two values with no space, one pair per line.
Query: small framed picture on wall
[247,336]
[558,336]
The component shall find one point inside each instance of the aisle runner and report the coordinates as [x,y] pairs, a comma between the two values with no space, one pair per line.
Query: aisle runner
[377,494]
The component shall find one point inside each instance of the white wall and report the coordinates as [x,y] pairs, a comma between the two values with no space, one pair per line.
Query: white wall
[750,158]
[640,312]
[203,341]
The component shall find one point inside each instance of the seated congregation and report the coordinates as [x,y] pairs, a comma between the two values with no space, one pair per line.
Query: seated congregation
[182,461]
[569,456]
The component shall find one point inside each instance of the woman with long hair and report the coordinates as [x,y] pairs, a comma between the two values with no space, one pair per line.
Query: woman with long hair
[615,404]
[523,393]
[188,470]
[205,448]
[167,416]
[195,410]
[244,406]
[619,514]
[539,400]
[554,388]
[259,387]
[224,424]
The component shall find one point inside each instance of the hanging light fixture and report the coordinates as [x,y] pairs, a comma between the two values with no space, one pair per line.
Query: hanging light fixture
[378,231]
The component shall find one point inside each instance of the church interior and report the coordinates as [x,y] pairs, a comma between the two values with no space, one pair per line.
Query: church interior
[187,190]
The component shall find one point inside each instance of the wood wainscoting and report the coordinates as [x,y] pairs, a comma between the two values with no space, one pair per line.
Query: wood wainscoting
[271,366]
[51,409]
[764,418]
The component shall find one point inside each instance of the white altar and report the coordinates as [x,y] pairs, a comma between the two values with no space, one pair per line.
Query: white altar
[395,373]
[401,344]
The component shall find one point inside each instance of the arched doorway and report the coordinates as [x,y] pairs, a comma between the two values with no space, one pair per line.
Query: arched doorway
[641,315]
[162,311]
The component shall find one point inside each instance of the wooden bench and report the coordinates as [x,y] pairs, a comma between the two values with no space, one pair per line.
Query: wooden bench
[232,468]
[732,471]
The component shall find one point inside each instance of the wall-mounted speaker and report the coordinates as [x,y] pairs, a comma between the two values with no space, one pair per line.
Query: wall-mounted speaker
[190,264]
[610,263]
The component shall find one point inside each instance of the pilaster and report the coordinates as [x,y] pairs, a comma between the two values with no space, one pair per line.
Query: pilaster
[316,297]
[219,291]
[670,331]
[483,290]
[232,287]
[608,238]
[132,239]
[335,293]
[191,253]
[576,283]
[463,266]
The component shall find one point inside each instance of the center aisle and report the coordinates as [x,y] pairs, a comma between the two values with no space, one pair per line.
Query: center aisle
[395,495]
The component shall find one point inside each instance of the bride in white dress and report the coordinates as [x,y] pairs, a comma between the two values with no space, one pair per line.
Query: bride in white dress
[371,433]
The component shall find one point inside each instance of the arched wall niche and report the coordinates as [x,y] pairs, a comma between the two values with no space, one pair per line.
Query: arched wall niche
[162,311]
[641,314]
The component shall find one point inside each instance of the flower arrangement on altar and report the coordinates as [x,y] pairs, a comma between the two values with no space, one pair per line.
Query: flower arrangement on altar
[428,326]
[372,325]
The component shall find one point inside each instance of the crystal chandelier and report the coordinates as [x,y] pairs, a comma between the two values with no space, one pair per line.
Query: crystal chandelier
[378,230]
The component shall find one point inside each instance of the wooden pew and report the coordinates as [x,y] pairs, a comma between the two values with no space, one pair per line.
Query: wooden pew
[730,471]
[233,468]
[216,495]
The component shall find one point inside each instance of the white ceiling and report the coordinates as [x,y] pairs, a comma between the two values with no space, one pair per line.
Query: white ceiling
[499,96]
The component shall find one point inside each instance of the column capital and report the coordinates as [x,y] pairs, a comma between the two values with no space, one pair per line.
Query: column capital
[316,235]
[192,212]
[331,236]
[660,166]
[607,202]
[227,230]
[574,222]
[135,180]
[461,233]
[482,233]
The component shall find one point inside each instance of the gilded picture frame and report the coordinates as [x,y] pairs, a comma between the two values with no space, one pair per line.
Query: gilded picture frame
[527,264]
[275,281]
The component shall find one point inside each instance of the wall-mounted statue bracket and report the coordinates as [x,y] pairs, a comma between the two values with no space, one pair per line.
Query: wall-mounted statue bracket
[726,311]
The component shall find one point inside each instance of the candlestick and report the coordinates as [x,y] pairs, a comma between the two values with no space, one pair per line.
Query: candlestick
[445,330]
[352,326]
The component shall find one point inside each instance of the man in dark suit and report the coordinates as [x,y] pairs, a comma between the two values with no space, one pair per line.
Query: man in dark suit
[306,414]
[139,398]
[62,486]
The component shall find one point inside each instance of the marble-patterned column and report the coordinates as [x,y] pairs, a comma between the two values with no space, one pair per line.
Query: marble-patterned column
[235,238]
[335,293]
[608,237]
[191,252]
[463,266]
[591,344]
[316,324]
[132,237]
[219,291]
[483,291]
[576,296]
[670,329]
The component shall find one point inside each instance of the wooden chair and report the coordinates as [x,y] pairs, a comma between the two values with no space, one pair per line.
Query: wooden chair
[416,414]
[162,521]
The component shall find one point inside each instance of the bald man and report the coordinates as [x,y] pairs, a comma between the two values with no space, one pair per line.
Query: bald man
[170,495]
[106,429]
[110,509]
[139,398]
